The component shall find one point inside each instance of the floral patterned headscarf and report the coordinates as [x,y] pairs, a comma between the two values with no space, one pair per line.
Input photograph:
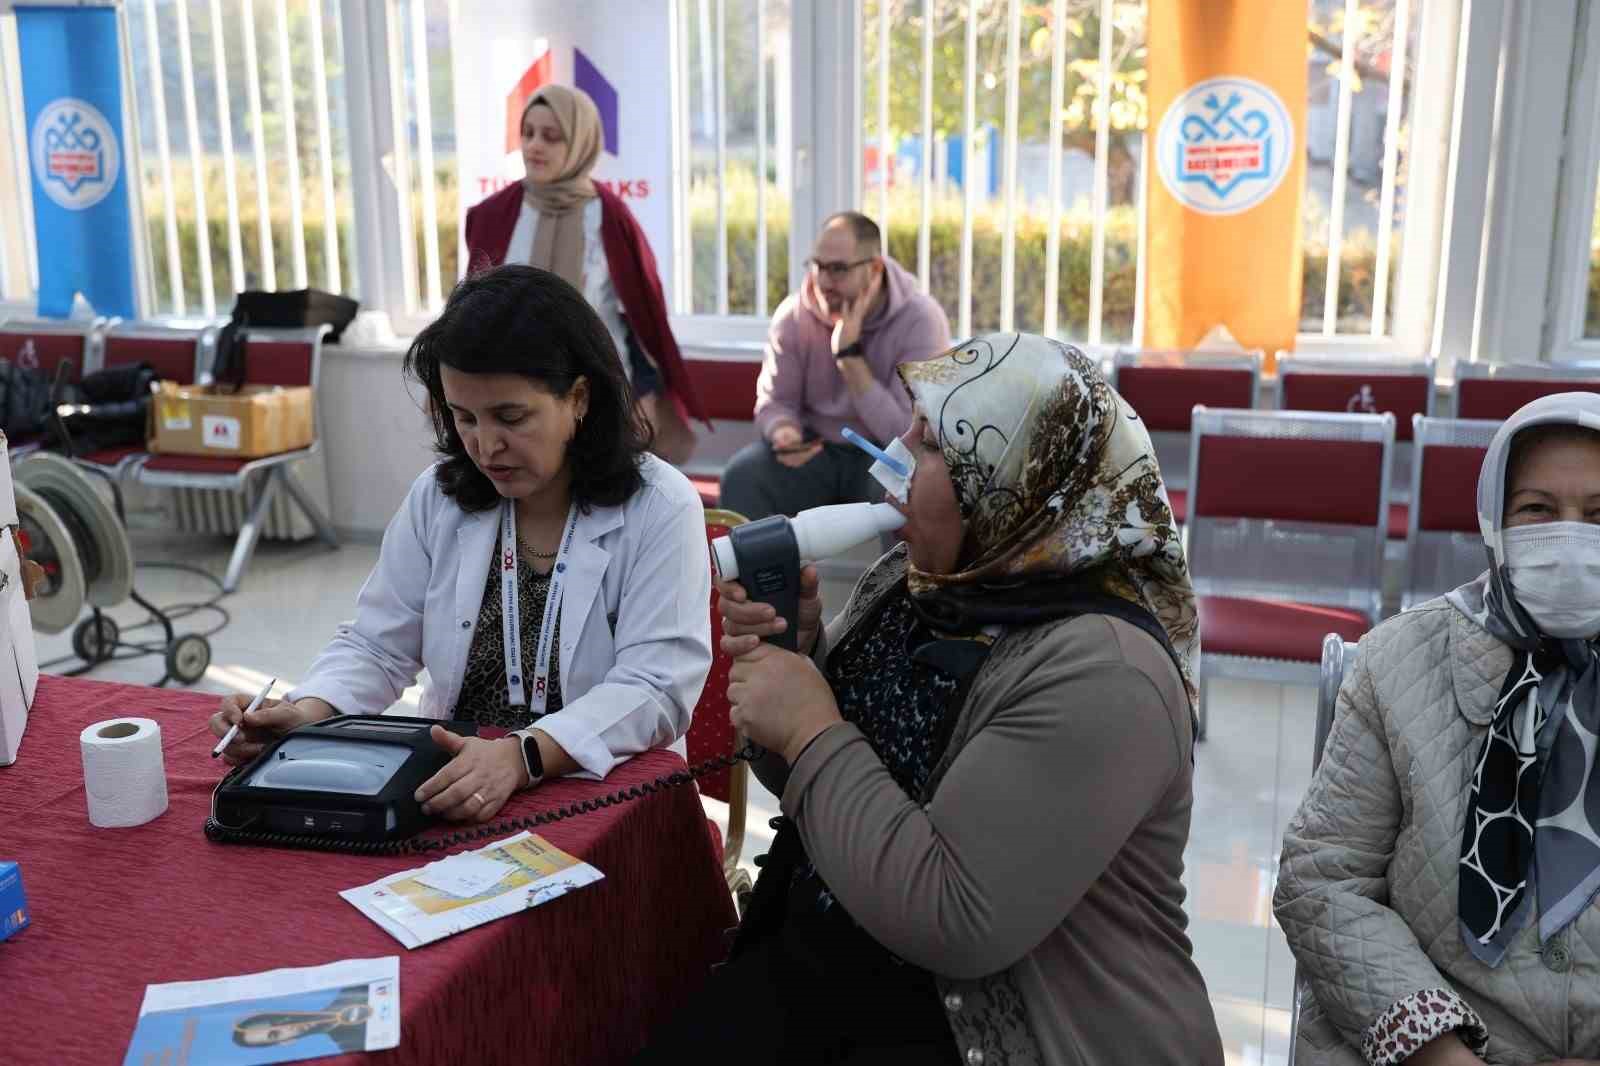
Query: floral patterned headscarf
[1055,477]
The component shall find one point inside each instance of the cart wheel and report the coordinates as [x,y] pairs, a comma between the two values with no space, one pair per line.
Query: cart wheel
[93,642]
[188,657]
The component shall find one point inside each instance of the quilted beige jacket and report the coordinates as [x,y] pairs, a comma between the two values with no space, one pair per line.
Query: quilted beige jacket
[1367,888]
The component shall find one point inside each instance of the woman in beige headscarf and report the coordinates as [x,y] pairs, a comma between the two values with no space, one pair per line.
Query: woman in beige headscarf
[561,219]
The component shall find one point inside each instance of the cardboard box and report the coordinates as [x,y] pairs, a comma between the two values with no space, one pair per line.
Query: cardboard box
[19,661]
[256,421]
[13,904]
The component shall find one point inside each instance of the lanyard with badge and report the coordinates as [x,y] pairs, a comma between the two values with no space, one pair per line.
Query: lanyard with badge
[511,610]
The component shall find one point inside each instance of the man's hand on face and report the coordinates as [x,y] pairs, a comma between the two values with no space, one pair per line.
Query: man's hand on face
[847,321]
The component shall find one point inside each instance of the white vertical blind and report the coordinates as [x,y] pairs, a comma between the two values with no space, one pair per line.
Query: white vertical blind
[925,221]
[721,65]
[291,149]
[1391,146]
[191,119]
[401,173]
[425,169]
[1008,238]
[230,169]
[330,212]
[11,93]
[252,66]
[884,159]
[969,186]
[164,152]
[682,248]
[1052,244]
[1341,165]
[1102,158]
[761,158]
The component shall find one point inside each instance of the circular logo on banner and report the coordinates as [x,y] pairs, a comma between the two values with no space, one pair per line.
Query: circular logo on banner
[75,153]
[1224,145]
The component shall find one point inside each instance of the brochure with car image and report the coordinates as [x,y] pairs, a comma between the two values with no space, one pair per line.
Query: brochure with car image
[276,1016]
[465,890]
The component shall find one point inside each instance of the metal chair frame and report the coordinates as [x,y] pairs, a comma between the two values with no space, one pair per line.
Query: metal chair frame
[259,480]
[1337,656]
[738,774]
[205,345]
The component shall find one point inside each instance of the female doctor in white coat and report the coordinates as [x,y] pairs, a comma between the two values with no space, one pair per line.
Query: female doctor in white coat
[547,520]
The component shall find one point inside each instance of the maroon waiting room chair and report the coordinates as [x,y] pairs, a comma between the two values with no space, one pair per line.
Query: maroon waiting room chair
[1287,523]
[1164,387]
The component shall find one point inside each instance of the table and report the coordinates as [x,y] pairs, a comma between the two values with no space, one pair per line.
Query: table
[582,979]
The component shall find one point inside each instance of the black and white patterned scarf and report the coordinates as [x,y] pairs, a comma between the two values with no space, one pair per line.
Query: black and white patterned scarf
[1532,832]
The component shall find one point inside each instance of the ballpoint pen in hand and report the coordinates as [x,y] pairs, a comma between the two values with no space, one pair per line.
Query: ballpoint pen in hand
[234,729]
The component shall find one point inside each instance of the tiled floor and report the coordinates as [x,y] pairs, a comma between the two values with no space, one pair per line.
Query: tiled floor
[1250,773]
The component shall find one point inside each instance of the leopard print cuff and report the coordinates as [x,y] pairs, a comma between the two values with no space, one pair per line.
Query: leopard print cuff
[1401,1030]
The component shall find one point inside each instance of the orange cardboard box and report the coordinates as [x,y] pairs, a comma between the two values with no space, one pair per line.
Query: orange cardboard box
[256,421]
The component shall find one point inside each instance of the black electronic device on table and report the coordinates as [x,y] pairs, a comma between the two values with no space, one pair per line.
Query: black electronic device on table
[348,783]
[349,778]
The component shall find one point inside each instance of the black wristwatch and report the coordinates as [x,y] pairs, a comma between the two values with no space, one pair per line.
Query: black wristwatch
[853,348]
[530,756]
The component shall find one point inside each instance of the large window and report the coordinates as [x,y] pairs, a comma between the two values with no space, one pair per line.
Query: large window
[285,143]
[735,132]
[1362,63]
[1002,149]
[244,148]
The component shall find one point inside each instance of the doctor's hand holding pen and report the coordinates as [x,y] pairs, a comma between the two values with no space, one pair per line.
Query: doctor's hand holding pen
[258,728]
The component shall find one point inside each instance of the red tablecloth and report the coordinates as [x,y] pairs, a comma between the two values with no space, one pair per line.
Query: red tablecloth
[582,979]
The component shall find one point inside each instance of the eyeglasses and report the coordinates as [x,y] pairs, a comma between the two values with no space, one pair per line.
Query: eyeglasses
[836,271]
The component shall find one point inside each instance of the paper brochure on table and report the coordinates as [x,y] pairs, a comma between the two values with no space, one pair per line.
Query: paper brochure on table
[276,1016]
[417,907]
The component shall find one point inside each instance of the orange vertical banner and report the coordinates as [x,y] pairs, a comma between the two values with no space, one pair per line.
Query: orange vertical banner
[1227,92]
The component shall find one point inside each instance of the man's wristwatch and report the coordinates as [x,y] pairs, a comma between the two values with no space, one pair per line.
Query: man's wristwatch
[853,348]
[530,756]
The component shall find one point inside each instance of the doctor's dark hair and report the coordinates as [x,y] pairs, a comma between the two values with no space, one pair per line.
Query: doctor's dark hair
[522,320]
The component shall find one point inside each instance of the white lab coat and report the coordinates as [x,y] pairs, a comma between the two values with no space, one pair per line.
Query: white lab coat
[635,620]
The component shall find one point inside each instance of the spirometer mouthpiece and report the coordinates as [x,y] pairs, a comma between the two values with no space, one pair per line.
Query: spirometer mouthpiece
[819,533]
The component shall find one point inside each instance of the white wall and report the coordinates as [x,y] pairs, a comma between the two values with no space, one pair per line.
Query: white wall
[376,437]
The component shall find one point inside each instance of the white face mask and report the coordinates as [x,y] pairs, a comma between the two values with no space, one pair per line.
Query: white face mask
[1554,569]
[894,483]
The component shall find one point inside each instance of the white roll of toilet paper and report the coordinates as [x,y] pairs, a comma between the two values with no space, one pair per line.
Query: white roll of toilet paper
[123,772]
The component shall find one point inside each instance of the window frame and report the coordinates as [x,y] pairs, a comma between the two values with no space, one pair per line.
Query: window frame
[1579,182]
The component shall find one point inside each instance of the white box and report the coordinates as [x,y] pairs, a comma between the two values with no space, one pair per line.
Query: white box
[19,660]
[19,663]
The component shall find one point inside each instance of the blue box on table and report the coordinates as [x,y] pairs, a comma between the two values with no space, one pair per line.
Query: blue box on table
[13,904]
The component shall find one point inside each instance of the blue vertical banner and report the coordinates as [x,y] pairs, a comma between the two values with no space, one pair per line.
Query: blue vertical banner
[72,99]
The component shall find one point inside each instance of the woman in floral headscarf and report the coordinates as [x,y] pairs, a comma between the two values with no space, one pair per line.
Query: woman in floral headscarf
[986,762]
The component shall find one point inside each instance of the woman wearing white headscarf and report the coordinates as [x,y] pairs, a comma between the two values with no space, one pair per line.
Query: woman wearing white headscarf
[1437,884]
[986,762]
[560,219]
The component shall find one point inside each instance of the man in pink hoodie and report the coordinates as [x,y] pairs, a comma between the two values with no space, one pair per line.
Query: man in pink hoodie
[831,354]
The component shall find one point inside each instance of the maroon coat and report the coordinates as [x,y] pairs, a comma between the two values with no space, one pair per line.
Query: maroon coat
[633,276]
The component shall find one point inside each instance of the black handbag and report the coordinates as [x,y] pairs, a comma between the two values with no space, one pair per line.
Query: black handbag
[25,401]
[111,409]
